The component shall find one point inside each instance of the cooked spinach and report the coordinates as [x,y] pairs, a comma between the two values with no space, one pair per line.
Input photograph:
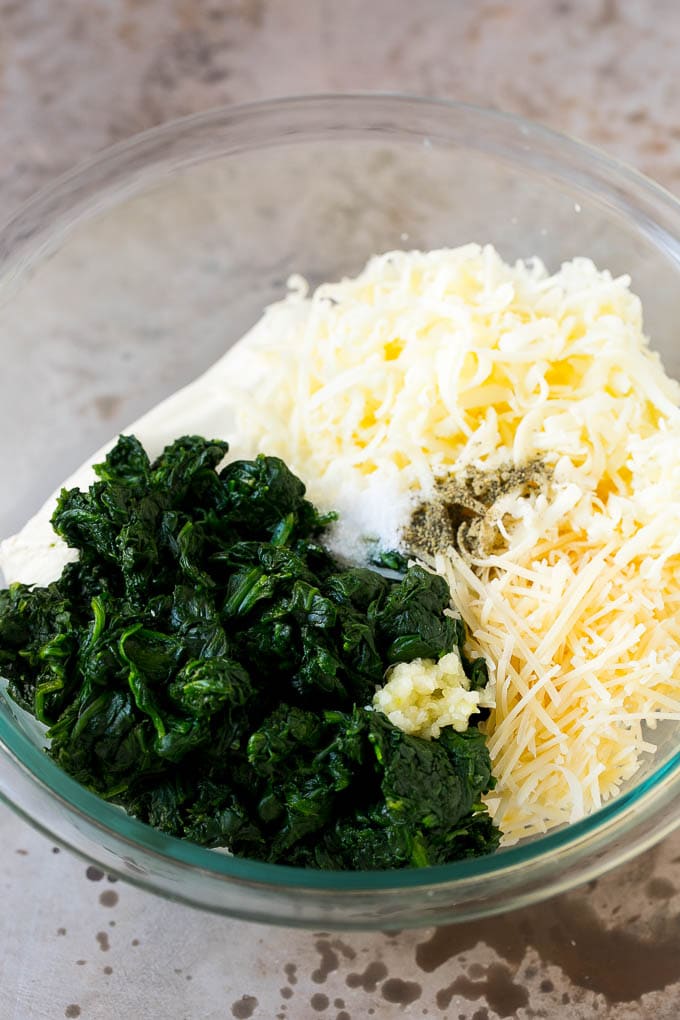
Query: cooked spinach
[205,663]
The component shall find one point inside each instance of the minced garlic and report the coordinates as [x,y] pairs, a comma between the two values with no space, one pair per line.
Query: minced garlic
[423,696]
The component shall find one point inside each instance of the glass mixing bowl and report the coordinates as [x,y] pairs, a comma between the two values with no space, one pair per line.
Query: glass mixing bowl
[128,277]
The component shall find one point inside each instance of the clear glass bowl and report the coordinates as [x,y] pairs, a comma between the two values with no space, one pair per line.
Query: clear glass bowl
[130,276]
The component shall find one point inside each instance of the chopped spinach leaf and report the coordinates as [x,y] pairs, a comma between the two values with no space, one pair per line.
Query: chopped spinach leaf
[206,664]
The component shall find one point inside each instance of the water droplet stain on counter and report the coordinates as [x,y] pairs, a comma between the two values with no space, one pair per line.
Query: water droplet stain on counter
[660,889]
[94,874]
[403,993]
[450,941]
[108,898]
[135,942]
[569,934]
[22,853]
[343,1015]
[374,973]
[56,850]
[344,949]
[106,405]
[499,990]
[107,970]
[103,940]
[72,1011]
[61,931]
[339,1003]
[80,963]
[286,992]
[547,986]
[330,961]
[244,1007]
[290,970]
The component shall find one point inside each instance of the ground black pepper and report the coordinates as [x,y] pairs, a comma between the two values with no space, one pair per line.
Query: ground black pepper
[464,511]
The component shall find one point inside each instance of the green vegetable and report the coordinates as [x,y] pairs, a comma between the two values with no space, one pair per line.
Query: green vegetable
[205,663]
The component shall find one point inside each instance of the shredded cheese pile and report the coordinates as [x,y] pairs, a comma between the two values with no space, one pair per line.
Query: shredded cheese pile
[427,363]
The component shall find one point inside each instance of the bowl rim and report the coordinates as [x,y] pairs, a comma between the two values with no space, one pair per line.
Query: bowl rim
[93,809]
[148,139]
[37,227]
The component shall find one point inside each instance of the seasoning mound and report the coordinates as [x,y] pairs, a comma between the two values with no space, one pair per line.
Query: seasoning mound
[471,510]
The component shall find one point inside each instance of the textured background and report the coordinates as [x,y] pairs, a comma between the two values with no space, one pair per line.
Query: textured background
[81,74]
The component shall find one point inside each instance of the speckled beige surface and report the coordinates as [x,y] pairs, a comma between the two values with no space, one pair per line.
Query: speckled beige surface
[81,74]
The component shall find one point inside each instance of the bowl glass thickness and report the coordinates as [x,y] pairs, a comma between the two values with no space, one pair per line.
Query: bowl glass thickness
[127,278]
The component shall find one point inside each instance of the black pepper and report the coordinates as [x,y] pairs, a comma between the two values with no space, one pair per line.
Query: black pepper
[466,509]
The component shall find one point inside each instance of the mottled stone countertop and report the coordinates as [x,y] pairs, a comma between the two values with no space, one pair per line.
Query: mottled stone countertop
[79,75]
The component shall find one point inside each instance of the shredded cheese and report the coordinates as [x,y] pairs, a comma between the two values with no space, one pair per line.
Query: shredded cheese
[428,363]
